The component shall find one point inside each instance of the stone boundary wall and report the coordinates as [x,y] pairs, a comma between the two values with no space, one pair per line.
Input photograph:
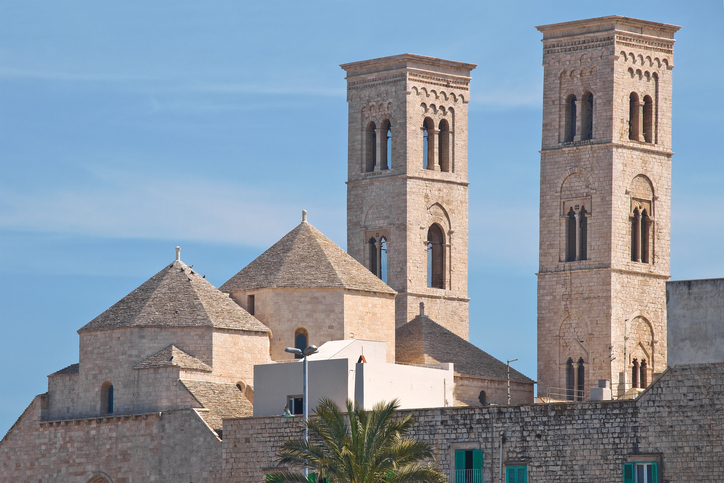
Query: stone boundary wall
[678,421]
[172,446]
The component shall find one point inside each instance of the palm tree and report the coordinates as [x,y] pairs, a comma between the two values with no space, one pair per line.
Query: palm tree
[371,448]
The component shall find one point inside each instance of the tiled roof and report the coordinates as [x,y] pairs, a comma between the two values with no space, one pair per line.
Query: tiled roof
[305,258]
[71,369]
[176,297]
[173,356]
[424,341]
[223,400]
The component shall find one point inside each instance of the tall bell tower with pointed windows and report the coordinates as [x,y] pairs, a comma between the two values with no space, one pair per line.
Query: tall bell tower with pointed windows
[604,205]
[407,187]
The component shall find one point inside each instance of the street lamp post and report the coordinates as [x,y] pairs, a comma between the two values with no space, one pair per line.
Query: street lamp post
[508,364]
[305,390]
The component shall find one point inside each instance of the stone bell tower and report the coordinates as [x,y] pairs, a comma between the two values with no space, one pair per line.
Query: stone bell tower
[604,205]
[407,188]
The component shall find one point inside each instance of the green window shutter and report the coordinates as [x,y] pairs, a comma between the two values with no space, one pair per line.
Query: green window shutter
[510,475]
[655,470]
[477,459]
[523,474]
[628,473]
[460,460]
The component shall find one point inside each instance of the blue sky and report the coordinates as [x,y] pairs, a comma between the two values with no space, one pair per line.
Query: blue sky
[128,128]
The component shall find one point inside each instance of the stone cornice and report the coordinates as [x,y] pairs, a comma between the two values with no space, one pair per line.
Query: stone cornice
[605,269]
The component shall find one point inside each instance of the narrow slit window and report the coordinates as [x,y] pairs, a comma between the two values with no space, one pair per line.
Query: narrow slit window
[570,127]
[383,260]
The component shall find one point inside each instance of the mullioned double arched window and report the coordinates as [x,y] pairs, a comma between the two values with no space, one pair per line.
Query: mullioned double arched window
[378,256]
[641,122]
[437,145]
[575,380]
[377,146]
[578,125]
[642,220]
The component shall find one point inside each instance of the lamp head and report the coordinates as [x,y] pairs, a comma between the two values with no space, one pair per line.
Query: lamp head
[309,350]
[293,350]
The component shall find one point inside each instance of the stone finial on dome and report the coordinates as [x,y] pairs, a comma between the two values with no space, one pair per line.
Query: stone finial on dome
[304,216]
[422,308]
[178,254]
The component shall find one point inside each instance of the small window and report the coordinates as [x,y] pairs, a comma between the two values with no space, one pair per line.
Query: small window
[370,147]
[428,144]
[468,466]
[383,260]
[250,304]
[587,117]
[571,119]
[648,119]
[483,398]
[571,230]
[516,474]
[374,268]
[295,404]
[107,398]
[386,158]
[570,380]
[634,117]
[435,257]
[301,341]
[646,472]
[444,146]
[580,380]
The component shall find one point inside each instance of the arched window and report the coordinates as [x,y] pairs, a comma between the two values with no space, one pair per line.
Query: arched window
[301,340]
[571,230]
[383,260]
[570,132]
[570,380]
[444,146]
[435,257]
[373,256]
[580,381]
[635,374]
[370,147]
[634,118]
[387,150]
[107,398]
[587,117]
[483,398]
[428,144]
[648,119]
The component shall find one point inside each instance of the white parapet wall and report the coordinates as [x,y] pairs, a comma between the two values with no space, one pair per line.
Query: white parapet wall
[355,370]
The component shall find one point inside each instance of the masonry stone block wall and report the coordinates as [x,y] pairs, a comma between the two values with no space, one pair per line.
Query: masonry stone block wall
[325,313]
[695,321]
[467,391]
[371,317]
[676,422]
[235,355]
[400,200]
[173,446]
[592,292]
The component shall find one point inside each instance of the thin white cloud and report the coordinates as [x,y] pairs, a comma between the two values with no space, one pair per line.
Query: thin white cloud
[124,205]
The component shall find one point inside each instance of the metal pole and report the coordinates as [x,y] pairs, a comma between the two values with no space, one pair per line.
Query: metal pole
[508,364]
[305,402]
[500,470]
